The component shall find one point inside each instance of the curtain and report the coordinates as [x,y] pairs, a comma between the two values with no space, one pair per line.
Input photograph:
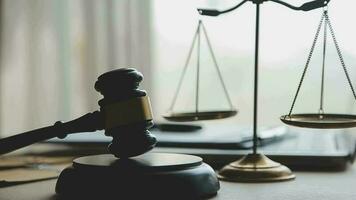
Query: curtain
[52,52]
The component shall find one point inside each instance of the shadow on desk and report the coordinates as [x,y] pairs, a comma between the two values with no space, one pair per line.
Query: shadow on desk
[308,185]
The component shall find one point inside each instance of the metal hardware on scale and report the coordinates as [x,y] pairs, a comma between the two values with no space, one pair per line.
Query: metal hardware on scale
[198,114]
[322,120]
[256,167]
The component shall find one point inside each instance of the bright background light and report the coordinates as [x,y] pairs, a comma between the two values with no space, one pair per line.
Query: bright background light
[286,37]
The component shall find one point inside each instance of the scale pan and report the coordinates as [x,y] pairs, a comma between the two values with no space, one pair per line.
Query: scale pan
[196,116]
[321,121]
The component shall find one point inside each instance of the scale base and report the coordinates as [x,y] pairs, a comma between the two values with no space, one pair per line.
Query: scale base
[152,176]
[255,168]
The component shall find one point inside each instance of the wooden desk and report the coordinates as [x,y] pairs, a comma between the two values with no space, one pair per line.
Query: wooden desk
[308,185]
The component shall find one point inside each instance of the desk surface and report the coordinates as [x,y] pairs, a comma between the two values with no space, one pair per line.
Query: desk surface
[307,185]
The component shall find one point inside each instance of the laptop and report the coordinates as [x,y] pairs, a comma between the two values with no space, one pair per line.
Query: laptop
[218,145]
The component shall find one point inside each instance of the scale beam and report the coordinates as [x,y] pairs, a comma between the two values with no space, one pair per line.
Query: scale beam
[305,7]
[214,12]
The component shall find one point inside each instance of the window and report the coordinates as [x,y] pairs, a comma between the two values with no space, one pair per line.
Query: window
[286,37]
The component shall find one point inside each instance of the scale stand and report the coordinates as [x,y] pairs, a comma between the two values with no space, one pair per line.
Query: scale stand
[198,114]
[256,167]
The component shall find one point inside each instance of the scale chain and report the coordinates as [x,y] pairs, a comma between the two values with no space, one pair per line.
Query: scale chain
[307,63]
[340,55]
[185,68]
[198,71]
[217,67]
[321,108]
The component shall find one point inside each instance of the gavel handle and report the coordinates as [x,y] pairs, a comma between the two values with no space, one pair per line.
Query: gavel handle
[87,123]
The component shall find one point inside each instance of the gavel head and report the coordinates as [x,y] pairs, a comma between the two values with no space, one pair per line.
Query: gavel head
[126,111]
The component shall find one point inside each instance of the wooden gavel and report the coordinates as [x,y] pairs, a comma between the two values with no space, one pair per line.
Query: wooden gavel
[125,114]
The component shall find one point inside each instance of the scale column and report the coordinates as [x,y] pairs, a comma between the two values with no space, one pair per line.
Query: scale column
[255,167]
[255,101]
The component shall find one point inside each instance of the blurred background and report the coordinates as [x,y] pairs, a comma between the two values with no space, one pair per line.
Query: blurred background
[52,52]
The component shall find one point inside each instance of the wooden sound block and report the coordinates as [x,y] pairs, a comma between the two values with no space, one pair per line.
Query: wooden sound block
[149,176]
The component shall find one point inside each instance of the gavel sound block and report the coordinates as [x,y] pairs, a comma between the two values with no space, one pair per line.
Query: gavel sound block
[128,172]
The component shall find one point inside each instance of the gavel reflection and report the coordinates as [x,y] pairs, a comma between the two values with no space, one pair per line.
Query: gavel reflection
[125,114]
